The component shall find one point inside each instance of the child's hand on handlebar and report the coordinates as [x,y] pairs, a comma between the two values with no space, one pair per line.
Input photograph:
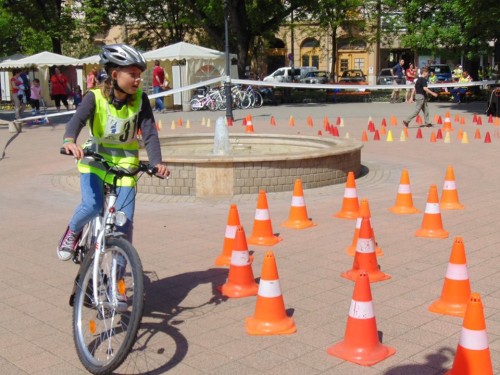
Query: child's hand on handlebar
[73,148]
[162,170]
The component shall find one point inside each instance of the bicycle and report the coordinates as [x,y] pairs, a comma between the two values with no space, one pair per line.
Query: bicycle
[108,293]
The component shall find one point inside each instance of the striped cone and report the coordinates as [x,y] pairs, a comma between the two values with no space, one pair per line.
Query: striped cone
[364,210]
[432,225]
[298,218]
[449,198]
[249,126]
[456,288]
[240,280]
[233,221]
[262,233]
[473,353]
[350,204]
[270,316]
[365,257]
[361,344]
[404,200]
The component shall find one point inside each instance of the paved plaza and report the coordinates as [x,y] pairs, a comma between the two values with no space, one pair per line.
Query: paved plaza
[188,327]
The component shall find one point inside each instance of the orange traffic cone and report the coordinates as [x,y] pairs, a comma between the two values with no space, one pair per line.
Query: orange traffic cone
[291,122]
[350,204]
[262,233]
[364,136]
[240,280]
[449,198]
[447,123]
[270,315]
[473,353]
[456,289]
[249,126]
[365,257]
[233,221]
[364,211]
[273,121]
[404,199]
[432,225]
[309,121]
[298,218]
[477,134]
[361,344]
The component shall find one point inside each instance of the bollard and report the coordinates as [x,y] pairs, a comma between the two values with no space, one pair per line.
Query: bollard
[15,127]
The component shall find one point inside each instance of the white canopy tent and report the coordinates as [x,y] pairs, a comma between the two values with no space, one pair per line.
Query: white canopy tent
[188,64]
[43,61]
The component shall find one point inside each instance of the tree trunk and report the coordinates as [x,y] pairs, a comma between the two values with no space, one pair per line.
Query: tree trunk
[334,55]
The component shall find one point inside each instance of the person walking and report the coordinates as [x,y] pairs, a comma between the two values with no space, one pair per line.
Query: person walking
[398,72]
[419,94]
[116,111]
[158,85]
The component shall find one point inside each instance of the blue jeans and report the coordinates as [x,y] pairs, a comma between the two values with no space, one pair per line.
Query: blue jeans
[458,93]
[158,101]
[92,189]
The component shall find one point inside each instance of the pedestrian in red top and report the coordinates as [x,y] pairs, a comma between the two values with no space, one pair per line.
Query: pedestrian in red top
[411,75]
[59,88]
[158,85]
[17,93]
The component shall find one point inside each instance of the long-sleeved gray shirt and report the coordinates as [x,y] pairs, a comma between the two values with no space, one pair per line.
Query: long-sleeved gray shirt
[85,112]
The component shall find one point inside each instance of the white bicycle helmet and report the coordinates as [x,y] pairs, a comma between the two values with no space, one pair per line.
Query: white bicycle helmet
[121,55]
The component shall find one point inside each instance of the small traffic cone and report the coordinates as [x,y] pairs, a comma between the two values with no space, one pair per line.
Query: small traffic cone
[347,136]
[404,199]
[389,136]
[490,119]
[172,126]
[371,126]
[298,218]
[376,136]
[240,280]
[291,122]
[432,225]
[364,211]
[496,122]
[309,121]
[361,343]
[339,120]
[402,136]
[487,138]
[383,130]
[457,118]
[439,134]
[394,120]
[440,121]
[447,124]
[474,118]
[449,197]
[465,138]
[365,257]
[320,132]
[341,125]
[188,124]
[179,122]
[228,120]
[203,121]
[273,121]
[460,134]
[364,136]
[472,356]
[433,137]
[249,127]
[419,133]
[405,131]
[262,233]
[270,316]
[462,120]
[479,121]
[384,122]
[160,125]
[456,288]
[350,204]
[335,131]
[419,120]
[436,117]
[477,134]
[447,137]
[233,221]
[209,124]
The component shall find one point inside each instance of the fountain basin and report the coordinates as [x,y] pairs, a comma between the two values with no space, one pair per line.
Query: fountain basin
[256,162]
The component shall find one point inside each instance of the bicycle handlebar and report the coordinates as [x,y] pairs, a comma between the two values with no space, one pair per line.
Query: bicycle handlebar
[142,167]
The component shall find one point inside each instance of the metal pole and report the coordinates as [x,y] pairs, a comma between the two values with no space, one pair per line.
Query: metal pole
[227,84]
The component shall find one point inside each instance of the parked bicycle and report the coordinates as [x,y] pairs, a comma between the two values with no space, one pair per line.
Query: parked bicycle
[108,294]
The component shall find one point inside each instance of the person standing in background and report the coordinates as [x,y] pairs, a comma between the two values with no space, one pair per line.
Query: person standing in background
[398,72]
[411,74]
[92,78]
[35,96]
[158,84]
[59,88]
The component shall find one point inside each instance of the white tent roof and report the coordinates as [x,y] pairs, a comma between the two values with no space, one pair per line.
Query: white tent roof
[183,50]
[94,59]
[40,60]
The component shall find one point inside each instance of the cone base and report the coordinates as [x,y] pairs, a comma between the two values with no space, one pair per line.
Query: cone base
[264,241]
[432,233]
[238,291]
[451,206]
[445,308]
[285,326]
[373,276]
[402,210]
[350,215]
[361,356]
[298,224]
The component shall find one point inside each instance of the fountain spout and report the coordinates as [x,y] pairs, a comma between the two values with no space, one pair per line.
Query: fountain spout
[221,138]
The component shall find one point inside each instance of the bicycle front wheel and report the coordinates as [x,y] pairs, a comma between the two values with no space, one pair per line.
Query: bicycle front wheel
[106,321]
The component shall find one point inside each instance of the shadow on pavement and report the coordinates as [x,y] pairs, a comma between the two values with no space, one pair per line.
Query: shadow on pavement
[434,365]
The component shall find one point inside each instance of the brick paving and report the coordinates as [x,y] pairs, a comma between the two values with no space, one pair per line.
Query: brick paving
[188,328]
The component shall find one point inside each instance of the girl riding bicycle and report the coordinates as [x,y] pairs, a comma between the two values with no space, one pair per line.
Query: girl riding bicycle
[115,112]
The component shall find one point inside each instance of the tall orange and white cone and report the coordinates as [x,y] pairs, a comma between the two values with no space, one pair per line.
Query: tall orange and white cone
[270,316]
[456,289]
[449,198]
[364,210]
[473,353]
[350,204]
[404,200]
[262,233]
[298,218]
[249,125]
[233,221]
[432,225]
[240,280]
[361,344]
[365,257]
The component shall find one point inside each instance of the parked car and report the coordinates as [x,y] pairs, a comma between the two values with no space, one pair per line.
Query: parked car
[353,76]
[286,74]
[385,77]
[315,76]
[442,71]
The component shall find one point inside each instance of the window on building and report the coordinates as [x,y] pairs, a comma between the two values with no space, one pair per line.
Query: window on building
[305,60]
[315,61]
[359,64]
[344,65]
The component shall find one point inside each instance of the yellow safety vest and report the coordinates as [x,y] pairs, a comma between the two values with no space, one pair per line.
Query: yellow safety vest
[113,134]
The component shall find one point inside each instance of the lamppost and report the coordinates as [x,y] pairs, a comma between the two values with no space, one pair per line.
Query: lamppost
[227,84]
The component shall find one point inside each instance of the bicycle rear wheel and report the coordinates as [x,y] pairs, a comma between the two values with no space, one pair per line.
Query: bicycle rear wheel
[104,329]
